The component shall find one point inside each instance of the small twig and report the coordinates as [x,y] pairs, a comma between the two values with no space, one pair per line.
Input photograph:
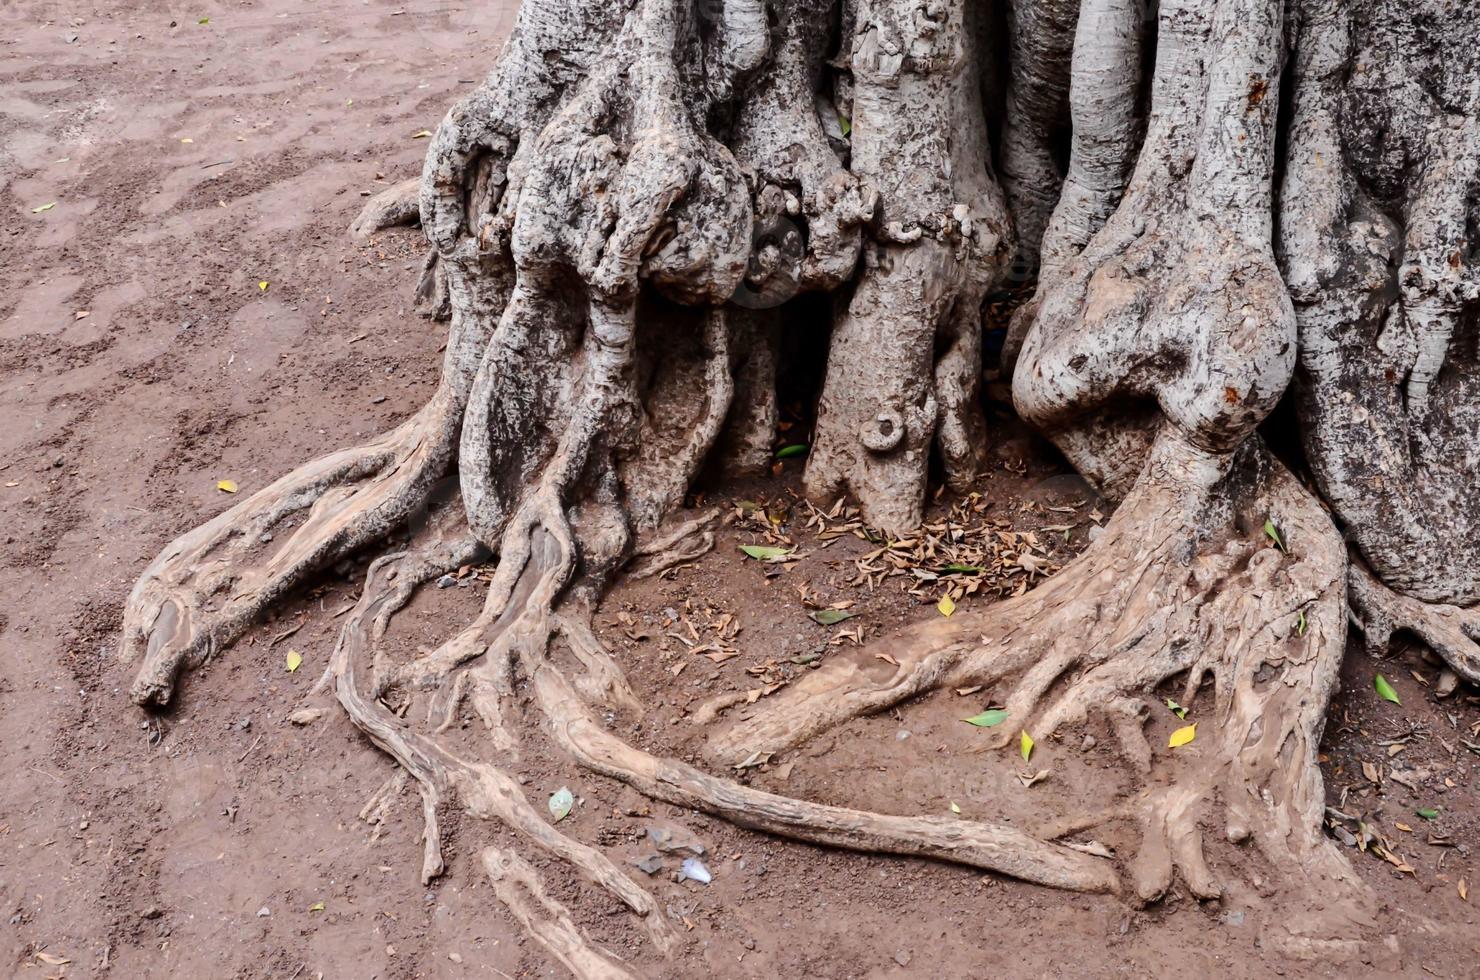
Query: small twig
[249,752]
[284,635]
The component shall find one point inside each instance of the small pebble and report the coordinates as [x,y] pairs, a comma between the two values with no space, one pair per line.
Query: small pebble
[263,912]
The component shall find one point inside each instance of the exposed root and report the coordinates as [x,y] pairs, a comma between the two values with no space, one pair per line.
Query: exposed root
[400,205]
[1450,631]
[980,845]
[1161,594]
[518,886]
[209,584]
[683,543]
[486,791]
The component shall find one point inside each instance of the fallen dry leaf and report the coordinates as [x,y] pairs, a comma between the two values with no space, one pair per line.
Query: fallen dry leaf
[1028,779]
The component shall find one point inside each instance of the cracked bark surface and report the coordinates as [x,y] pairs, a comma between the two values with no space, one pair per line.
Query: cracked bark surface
[1229,202]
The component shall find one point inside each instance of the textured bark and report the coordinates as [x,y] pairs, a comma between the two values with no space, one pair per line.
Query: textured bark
[1227,202]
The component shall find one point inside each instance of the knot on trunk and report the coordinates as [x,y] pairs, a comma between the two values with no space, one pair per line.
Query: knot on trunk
[883,432]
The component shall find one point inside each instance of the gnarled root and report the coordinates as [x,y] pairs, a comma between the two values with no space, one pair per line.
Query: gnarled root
[1184,582]
[1450,631]
[203,590]
[399,205]
[518,886]
[529,629]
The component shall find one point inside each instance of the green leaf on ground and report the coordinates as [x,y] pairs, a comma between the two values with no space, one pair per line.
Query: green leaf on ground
[792,451]
[560,804]
[831,617]
[1274,534]
[765,552]
[1025,745]
[987,719]
[1385,690]
[962,570]
[1176,708]
[1428,812]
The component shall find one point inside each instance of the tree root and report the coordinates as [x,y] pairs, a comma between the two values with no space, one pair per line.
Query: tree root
[518,886]
[207,587]
[399,205]
[486,791]
[209,584]
[522,637]
[1452,632]
[1157,596]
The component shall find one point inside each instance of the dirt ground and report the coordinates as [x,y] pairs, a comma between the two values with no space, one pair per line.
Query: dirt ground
[183,305]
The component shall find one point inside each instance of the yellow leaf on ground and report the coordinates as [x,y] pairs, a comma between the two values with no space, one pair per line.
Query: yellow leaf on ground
[1464,889]
[187,139]
[262,284]
[295,660]
[316,907]
[946,605]
[954,807]
[226,486]
[1025,745]
[421,135]
[44,207]
[1182,736]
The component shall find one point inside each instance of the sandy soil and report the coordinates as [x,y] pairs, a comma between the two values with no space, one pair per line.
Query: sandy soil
[189,154]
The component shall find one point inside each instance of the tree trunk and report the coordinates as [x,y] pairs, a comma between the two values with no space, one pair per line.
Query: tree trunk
[1229,203]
